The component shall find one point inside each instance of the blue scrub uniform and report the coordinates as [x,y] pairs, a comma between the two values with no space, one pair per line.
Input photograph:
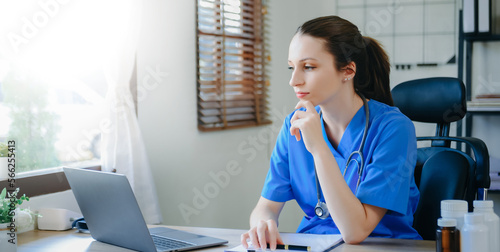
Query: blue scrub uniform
[387,180]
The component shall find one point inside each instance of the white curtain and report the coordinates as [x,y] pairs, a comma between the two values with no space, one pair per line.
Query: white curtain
[123,148]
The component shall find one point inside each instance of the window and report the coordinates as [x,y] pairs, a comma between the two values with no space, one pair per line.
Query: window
[55,66]
[232,84]
[51,89]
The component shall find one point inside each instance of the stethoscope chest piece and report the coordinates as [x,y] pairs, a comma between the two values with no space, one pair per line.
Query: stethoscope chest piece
[321,210]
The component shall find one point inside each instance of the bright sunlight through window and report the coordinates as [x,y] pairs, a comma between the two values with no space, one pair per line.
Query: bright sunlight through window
[52,83]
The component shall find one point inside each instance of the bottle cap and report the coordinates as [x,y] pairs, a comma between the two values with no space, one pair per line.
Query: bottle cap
[447,222]
[483,203]
[453,206]
[473,218]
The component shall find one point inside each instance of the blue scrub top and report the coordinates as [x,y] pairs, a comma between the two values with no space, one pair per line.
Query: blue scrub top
[387,181]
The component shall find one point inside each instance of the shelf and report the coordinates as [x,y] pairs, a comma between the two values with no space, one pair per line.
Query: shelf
[482,106]
[474,38]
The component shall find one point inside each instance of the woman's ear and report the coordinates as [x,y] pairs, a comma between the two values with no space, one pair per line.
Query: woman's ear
[350,70]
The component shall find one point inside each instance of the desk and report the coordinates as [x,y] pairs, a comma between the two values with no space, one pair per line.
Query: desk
[59,241]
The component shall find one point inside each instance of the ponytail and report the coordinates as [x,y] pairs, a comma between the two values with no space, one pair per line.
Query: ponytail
[344,41]
[377,70]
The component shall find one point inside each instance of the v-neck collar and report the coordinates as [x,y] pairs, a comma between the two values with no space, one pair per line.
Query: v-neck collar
[353,132]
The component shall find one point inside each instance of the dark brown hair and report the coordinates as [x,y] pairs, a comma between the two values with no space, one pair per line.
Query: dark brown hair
[344,41]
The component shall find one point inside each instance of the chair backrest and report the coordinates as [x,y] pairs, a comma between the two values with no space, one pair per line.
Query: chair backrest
[439,100]
[442,172]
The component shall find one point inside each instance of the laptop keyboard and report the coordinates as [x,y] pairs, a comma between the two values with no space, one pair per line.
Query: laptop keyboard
[164,243]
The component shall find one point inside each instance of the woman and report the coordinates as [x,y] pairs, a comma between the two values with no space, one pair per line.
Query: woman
[342,81]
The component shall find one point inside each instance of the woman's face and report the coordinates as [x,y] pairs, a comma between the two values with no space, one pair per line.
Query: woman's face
[315,77]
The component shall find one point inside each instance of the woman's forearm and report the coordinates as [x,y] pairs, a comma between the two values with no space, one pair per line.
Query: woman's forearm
[355,220]
[265,210]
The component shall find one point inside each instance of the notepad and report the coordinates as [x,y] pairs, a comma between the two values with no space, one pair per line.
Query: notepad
[317,242]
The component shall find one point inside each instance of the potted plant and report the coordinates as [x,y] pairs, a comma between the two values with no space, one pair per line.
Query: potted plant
[4,157]
[7,205]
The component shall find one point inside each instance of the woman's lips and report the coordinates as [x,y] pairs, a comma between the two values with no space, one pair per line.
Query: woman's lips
[301,94]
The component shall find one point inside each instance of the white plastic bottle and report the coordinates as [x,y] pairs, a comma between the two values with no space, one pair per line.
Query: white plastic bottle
[454,209]
[491,220]
[474,234]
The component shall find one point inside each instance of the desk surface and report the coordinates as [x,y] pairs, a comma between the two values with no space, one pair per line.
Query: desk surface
[71,240]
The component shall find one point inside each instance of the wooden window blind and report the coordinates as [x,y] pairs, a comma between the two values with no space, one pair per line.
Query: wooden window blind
[232,84]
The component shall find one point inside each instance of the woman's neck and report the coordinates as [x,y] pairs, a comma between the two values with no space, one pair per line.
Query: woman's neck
[337,115]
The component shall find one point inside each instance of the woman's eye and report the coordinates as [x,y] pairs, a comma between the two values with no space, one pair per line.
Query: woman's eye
[290,68]
[309,67]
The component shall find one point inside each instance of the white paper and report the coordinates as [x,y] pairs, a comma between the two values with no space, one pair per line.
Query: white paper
[317,242]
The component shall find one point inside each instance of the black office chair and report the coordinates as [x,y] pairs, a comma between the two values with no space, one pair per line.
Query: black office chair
[442,172]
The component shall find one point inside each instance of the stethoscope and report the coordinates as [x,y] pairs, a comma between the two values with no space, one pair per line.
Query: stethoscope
[321,209]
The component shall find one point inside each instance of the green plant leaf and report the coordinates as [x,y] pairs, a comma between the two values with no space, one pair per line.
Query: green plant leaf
[3,193]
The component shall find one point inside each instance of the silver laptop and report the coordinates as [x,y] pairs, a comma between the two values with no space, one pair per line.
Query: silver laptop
[113,215]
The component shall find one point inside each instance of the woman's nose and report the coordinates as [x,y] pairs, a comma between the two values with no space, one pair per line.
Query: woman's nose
[296,79]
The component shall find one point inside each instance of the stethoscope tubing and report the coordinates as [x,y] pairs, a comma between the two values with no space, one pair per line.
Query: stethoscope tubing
[349,159]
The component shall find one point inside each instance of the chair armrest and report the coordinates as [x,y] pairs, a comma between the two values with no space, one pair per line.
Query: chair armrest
[481,156]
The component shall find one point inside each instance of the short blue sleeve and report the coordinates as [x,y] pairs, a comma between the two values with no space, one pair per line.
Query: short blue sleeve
[277,186]
[388,177]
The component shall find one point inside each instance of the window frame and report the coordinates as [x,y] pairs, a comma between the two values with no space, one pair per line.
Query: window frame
[50,180]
